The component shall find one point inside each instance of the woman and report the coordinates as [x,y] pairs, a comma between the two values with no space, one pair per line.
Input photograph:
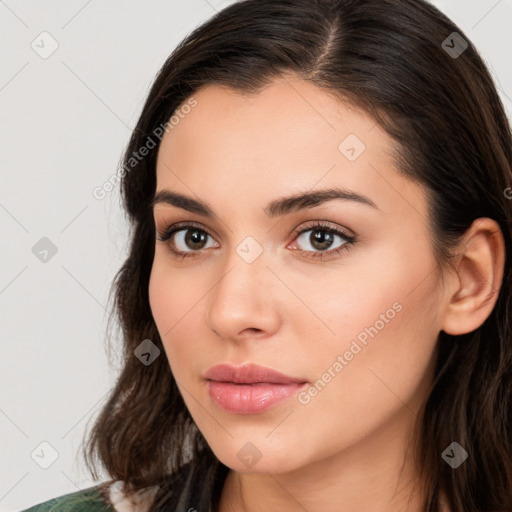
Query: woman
[316,304]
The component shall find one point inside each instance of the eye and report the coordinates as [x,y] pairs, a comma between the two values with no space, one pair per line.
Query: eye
[321,238]
[187,235]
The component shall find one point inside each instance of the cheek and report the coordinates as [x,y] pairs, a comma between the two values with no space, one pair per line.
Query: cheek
[172,293]
[384,347]
[175,301]
[343,304]
[382,320]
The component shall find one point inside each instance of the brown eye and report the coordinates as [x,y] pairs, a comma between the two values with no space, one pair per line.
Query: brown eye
[321,238]
[185,240]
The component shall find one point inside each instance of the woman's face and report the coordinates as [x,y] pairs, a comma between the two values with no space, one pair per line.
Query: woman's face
[353,317]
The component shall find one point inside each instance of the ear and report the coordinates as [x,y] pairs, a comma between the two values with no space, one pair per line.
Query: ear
[479,266]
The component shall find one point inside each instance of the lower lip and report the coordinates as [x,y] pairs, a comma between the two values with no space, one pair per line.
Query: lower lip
[250,398]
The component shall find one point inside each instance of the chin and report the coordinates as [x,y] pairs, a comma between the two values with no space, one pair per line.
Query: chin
[258,456]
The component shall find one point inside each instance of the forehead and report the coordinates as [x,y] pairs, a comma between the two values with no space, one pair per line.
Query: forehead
[291,136]
[286,123]
[289,105]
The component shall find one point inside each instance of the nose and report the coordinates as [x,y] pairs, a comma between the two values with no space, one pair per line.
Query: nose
[245,301]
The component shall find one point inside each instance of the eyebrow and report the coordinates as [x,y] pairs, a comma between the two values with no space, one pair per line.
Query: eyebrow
[275,208]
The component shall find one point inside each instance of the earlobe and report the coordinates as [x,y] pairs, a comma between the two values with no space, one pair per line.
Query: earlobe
[479,274]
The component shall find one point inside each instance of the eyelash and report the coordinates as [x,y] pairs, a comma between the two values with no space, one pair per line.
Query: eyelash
[167,234]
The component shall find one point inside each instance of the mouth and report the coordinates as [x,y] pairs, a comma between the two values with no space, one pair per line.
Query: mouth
[250,389]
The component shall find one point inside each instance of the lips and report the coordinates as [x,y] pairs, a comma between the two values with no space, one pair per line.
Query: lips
[248,374]
[249,389]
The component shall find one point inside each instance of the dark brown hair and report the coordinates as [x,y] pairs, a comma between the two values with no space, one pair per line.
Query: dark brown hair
[452,135]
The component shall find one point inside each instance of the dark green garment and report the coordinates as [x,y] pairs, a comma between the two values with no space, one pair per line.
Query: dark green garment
[194,488]
[87,500]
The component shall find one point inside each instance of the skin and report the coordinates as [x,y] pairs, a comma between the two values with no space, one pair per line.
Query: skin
[345,449]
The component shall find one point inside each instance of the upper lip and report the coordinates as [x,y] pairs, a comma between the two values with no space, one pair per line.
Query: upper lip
[248,374]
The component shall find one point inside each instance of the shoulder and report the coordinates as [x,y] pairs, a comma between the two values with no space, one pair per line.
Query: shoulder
[90,500]
[193,486]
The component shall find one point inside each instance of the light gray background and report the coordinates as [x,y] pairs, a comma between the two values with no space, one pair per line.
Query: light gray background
[65,122]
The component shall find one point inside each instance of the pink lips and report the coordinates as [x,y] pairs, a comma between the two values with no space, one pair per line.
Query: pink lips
[250,388]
